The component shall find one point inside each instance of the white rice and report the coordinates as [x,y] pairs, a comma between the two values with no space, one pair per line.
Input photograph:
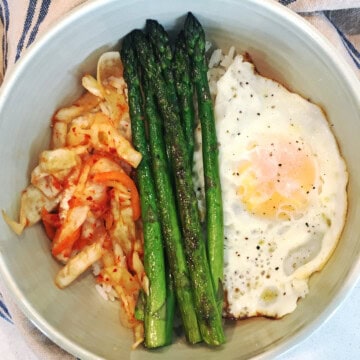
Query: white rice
[218,64]
[215,58]
[107,292]
[96,268]
[208,45]
[100,289]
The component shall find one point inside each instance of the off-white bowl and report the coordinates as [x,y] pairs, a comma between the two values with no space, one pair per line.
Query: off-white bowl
[284,47]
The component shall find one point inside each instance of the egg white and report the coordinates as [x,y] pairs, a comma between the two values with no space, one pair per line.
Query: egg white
[268,258]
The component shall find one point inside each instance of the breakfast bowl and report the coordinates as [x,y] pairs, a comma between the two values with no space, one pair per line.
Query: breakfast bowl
[284,48]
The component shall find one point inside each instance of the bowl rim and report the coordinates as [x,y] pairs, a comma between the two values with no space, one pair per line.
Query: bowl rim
[11,79]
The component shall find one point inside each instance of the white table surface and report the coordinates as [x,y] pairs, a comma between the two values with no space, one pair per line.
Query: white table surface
[337,339]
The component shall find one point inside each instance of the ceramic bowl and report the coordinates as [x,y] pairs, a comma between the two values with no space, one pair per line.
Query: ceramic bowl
[284,47]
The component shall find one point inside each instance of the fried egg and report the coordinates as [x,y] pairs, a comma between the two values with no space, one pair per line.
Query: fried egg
[283,187]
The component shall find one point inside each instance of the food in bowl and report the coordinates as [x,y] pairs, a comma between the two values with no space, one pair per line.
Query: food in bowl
[82,192]
[285,218]
[284,189]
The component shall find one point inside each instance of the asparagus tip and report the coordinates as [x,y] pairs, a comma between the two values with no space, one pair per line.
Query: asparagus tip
[194,33]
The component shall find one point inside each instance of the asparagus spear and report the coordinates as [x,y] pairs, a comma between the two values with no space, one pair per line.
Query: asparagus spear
[170,307]
[169,218]
[176,73]
[184,89]
[155,312]
[160,42]
[205,303]
[195,41]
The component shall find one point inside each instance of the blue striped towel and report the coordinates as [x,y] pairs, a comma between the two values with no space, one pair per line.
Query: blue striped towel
[4,312]
[22,22]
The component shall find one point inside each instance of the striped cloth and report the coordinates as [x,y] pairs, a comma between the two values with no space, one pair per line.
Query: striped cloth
[22,22]
[25,21]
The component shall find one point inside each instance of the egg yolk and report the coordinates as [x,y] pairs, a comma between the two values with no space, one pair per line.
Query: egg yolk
[276,179]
